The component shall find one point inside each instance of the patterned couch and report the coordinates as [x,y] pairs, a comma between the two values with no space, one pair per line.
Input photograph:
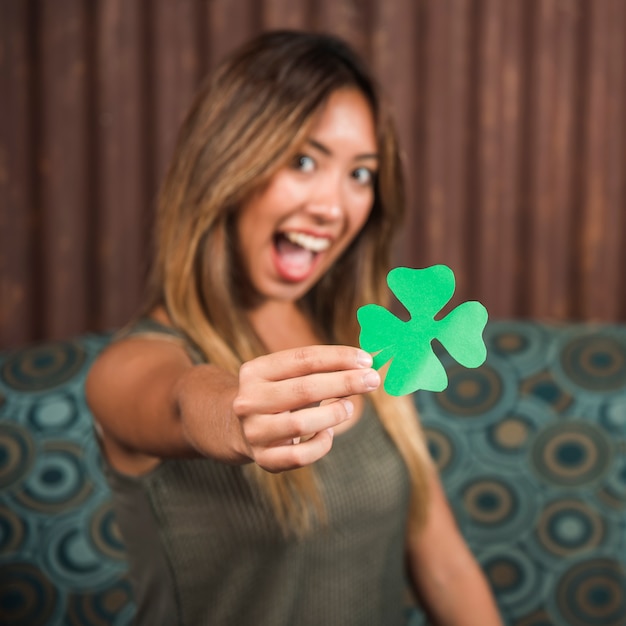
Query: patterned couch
[531,447]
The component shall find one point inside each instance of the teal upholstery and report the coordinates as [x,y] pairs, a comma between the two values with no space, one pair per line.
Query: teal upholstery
[61,558]
[531,447]
[532,451]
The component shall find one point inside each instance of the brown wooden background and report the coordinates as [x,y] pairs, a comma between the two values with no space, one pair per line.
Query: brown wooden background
[512,115]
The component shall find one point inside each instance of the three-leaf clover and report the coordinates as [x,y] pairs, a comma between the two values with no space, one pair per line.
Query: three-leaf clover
[408,345]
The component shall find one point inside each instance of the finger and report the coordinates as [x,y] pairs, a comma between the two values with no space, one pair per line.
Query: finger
[306,360]
[295,393]
[287,457]
[264,431]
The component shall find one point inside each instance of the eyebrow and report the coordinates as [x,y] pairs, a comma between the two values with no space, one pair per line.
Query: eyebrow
[324,149]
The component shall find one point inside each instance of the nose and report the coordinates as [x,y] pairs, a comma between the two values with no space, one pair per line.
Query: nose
[325,204]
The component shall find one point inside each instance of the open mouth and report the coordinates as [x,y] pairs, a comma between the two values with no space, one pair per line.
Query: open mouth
[297,253]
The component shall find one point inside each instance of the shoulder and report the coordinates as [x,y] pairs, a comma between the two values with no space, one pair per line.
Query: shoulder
[141,355]
[129,390]
[133,361]
[158,326]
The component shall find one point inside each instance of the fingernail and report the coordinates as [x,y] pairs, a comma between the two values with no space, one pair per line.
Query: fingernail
[372,379]
[349,407]
[364,358]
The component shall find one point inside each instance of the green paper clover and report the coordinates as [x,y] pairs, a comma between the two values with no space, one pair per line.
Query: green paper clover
[408,345]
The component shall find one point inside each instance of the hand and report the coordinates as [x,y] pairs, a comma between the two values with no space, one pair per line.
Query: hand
[299,395]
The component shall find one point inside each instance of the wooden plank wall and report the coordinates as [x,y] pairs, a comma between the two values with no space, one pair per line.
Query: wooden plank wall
[512,115]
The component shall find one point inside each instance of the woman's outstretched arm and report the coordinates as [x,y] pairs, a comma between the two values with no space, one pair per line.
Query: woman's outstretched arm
[151,402]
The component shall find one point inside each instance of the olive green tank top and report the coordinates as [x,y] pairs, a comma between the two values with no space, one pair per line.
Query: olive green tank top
[204,548]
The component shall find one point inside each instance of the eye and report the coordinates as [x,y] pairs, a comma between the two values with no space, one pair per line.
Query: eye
[304,163]
[363,175]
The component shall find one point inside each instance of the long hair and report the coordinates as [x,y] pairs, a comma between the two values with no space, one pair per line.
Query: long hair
[246,123]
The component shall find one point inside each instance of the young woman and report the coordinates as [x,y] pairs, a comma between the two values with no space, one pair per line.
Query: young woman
[260,474]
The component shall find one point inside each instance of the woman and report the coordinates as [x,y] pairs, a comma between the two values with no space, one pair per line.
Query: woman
[260,474]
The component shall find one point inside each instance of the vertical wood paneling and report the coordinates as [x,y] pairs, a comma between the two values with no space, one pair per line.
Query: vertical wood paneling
[489,228]
[231,23]
[346,18]
[17,297]
[616,165]
[498,273]
[395,55]
[511,115]
[63,162]
[278,14]
[173,71]
[550,199]
[603,224]
[434,202]
[120,239]
[456,250]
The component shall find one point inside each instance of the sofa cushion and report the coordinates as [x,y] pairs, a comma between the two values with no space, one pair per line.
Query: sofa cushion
[61,558]
[532,451]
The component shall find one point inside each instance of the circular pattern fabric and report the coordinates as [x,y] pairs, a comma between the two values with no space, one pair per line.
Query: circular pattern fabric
[58,480]
[449,451]
[54,414]
[471,392]
[496,508]
[591,593]
[511,434]
[490,501]
[546,388]
[72,558]
[536,618]
[506,442]
[543,478]
[523,345]
[92,458]
[613,416]
[105,533]
[27,597]
[474,397]
[616,481]
[17,453]
[12,531]
[440,447]
[595,362]
[109,607]
[573,452]
[59,542]
[514,578]
[567,527]
[43,367]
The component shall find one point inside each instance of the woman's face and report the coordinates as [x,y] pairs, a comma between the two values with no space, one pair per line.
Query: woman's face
[293,229]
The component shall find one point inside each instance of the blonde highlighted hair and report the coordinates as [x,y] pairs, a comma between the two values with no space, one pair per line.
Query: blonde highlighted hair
[244,124]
